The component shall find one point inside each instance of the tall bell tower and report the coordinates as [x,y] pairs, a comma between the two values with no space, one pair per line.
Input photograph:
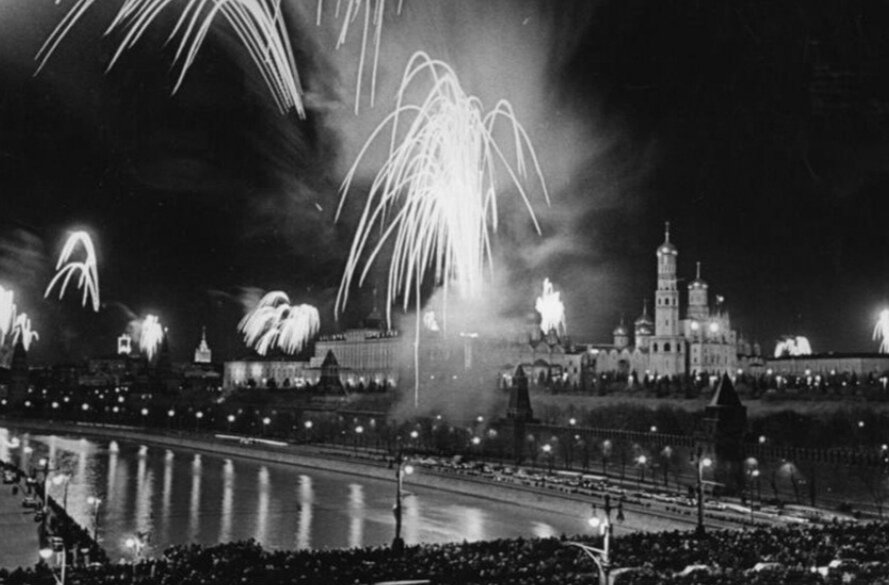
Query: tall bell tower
[667,346]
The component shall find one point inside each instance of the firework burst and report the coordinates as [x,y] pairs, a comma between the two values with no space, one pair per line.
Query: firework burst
[258,24]
[151,335]
[881,331]
[437,189]
[87,269]
[22,329]
[551,309]
[793,346]
[274,322]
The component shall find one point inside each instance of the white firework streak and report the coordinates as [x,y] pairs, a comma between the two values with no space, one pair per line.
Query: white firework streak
[881,331]
[87,270]
[258,24]
[7,313]
[352,13]
[275,322]
[151,336]
[23,330]
[793,346]
[437,189]
[551,309]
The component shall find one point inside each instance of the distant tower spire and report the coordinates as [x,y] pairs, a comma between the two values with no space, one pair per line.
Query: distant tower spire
[698,271]
[667,231]
[203,355]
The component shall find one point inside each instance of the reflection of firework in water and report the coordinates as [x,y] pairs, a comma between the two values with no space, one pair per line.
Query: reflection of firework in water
[7,313]
[151,336]
[87,269]
[23,330]
[792,346]
[258,24]
[551,309]
[881,331]
[275,322]
[437,188]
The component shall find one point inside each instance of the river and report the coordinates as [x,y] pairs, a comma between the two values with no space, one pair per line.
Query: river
[182,497]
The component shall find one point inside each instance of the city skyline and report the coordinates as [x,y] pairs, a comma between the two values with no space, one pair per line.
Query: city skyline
[759,135]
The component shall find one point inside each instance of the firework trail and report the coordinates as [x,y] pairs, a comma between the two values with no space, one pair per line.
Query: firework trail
[436,189]
[274,322]
[258,24]
[551,309]
[23,329]
[87,269]
[7,313]
[150,336]
[881,331]
[351,13]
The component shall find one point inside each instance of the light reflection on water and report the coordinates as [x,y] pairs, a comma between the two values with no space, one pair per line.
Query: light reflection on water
[181,496]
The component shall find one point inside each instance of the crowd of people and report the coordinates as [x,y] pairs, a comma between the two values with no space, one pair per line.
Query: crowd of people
[836,553]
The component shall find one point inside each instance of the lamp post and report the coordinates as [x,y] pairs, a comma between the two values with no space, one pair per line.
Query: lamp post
[700,462]
[230,418]
[170,414]
[59,479]
[46,554]
[548,451]
[400,470]
[197,420]
[308,425]
[642,460]
[265,424]
[359,430]
[602,556]
[94,502]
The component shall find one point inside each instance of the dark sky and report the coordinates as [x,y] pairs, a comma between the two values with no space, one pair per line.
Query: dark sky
[759,129]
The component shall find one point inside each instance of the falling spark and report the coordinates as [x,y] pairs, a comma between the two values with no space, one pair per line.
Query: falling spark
[151,336]
[551,309]
[437,190]
[23,330]
[258,24]
[7,313]
[351,14]
[87,269]
[274,322]
[881,331]
[792,346]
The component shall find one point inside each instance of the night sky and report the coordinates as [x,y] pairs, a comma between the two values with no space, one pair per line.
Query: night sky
[758,129]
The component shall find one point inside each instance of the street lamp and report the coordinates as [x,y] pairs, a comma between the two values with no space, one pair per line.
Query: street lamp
[197,420]
[548,451]
[641,460]
[230,418]
[59,479]
[605,527]
[46,554]
[401,468]
[265,423]
[94,502]
[359,430]
[700,462]
[308,425]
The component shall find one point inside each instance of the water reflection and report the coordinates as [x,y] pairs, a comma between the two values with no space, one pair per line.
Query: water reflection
[262,504]
[194,502]
[228,491]
[182,497]
[306,498]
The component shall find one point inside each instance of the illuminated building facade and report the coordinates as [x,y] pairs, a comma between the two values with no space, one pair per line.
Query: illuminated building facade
[668,345]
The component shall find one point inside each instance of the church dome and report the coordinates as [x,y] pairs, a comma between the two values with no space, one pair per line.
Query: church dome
[621,330]
[644,319]
[698,282]
[667,248]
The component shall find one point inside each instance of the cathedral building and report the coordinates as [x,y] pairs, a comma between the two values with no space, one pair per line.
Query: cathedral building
[668,344]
